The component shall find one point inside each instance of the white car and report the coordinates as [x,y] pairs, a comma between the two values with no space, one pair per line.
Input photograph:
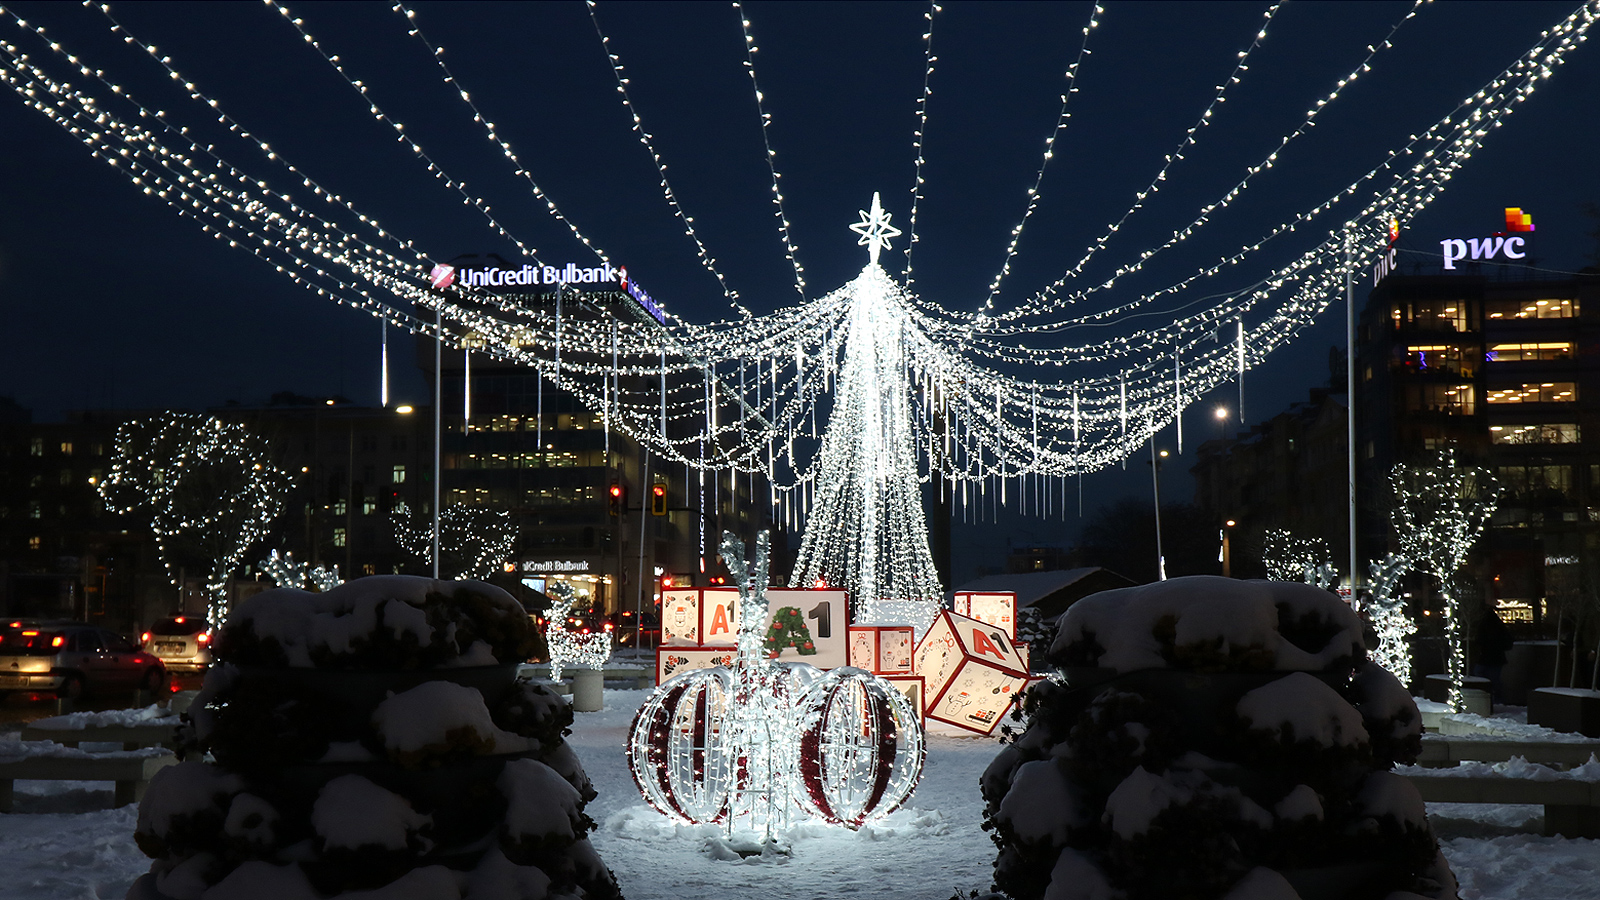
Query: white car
[183,643]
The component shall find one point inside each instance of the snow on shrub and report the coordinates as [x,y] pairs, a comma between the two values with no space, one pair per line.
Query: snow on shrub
[372,743]
[1212,739]
[437,719]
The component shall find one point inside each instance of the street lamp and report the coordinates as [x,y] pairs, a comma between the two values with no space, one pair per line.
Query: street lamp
[1155,487]
[1221,414]
[1226,557]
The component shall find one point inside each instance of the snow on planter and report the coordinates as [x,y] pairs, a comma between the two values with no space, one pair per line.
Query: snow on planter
[373,741]
[1212,739]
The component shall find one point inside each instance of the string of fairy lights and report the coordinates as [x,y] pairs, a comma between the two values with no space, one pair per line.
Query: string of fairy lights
[994,408]
[919,159]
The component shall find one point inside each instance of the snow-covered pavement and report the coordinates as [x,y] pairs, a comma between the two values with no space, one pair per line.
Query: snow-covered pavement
[62,843]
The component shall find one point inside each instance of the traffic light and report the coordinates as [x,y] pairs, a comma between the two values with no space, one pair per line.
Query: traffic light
[616,498]
[658,499]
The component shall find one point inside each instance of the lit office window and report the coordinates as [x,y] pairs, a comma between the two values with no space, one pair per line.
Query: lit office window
[1535,392]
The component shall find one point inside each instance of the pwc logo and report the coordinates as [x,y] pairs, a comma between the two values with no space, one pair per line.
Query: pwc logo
[1506,244]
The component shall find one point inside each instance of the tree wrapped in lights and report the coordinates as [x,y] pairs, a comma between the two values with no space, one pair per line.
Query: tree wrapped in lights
[474,541]
[868,531]
[287,573]
[568,647]
[1291,558]
[208,487]
[1387,609]
[1440,509]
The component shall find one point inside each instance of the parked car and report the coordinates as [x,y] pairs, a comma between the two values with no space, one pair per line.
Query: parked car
[182,643]
[72,659]
[648,631]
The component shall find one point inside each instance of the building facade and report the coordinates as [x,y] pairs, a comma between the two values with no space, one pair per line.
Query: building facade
[1503,368]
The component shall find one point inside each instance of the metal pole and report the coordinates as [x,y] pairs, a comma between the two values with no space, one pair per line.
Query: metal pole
[438,431]
[1350,404]
[1155,487]
[638,602]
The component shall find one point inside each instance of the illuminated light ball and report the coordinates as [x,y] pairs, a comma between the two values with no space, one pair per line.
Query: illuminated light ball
[678,747]
[861,747]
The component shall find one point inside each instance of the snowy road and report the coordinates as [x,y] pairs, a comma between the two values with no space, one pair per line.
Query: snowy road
[63,844]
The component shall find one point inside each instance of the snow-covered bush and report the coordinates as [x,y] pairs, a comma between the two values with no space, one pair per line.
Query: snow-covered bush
[1212,739]
[372,741]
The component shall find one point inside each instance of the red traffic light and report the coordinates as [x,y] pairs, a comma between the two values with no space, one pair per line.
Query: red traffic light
[658,499]
[616,489]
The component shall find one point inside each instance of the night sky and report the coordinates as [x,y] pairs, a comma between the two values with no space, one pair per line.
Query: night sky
[109,299]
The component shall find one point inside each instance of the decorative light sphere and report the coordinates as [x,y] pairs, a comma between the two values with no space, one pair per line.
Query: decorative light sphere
[845,748]
[861,748]
[679,749]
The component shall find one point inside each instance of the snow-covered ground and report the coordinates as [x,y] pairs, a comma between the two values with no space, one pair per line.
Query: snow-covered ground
[62,843]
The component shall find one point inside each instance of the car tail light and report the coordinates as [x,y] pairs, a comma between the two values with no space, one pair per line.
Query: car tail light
[608,627]
[57,641]
[144,638]
[203,638]
[178,620]
[30,634]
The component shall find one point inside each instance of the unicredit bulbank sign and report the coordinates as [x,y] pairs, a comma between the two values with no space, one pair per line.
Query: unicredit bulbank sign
[444,276]
[606,277]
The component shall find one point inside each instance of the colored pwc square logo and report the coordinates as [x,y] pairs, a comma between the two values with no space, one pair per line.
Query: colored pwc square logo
[1517,220]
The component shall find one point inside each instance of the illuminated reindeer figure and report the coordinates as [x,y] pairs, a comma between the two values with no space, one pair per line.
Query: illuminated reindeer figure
[568,646]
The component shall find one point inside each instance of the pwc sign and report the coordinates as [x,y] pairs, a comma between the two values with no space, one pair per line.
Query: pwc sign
[1508,244]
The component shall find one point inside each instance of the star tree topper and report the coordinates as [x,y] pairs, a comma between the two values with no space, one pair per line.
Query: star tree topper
[874,229]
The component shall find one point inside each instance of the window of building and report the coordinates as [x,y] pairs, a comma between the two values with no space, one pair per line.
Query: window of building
[1545,352]
[1434,315]
[36,447]
[1536,483]
[66,448]
[1530,309]
[1543,433]
[369,505]
[1536,392]
[339,507]
[36,481]
[35,542]
[1439,358]
[369,569]
[338,537]
[398,442]
[1455,399]
[399,474]
[66,476]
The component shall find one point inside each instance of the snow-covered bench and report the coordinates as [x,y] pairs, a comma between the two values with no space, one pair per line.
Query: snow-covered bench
[1571,799]
[44,761]
[1450,750]
[642,678]
[150,726]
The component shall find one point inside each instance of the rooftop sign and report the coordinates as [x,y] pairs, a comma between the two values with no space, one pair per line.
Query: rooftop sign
[493,276]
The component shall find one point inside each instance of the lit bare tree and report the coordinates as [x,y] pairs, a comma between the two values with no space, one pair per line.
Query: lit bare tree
[1440,509]
[208,487]
[474,541]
